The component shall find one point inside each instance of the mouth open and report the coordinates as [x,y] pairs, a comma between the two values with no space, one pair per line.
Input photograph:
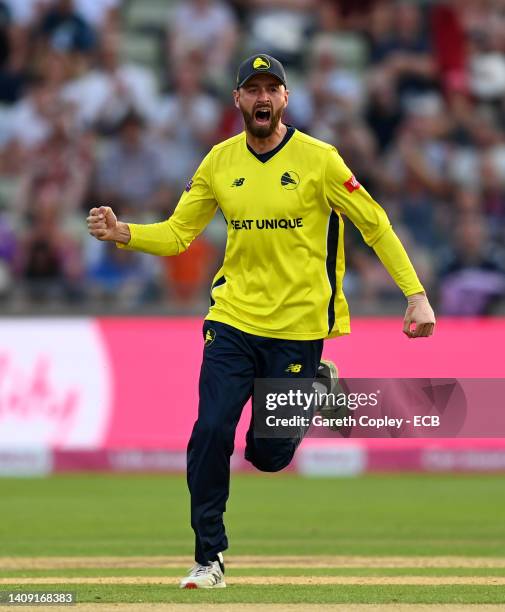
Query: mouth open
[262,115]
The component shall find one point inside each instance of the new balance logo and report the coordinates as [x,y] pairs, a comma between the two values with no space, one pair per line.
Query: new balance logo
[296,368]
[238,182]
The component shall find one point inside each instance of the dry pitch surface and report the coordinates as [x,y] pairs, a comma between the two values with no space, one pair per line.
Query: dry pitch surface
[63,564]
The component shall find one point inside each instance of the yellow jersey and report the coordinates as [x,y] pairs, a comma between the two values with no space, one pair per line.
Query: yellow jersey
[284,260]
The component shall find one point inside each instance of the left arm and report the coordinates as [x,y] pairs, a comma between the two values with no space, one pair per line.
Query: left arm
[346,195]
[393,256]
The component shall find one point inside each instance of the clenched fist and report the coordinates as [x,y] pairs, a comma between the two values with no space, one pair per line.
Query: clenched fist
[420,313]
[103,225]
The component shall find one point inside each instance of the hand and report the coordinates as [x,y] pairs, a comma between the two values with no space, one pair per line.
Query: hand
[421,313]
[102,223]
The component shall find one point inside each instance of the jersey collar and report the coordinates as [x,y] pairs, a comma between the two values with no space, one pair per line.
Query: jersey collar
[264,157]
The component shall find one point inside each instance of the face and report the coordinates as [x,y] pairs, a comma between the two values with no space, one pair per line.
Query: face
[262,101]
[131,134]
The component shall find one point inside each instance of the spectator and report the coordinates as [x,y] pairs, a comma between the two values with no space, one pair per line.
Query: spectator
[8,249]
[336,93]
[289,42]
[401,51]
[493,196]
[421,141]
[13,59]
[384,114]
[187,121]
[30,119]
[188,276]
[105,93]
[449,44]
[207,27]
[65,30]
[60,168]
[472,271]
[49,261]
[487,66]
[357,146]
[484,141]
[102,15]
[114,276]
[130,171]
[25,13]
[55,68]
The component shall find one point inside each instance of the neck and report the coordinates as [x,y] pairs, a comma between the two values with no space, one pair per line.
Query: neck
[264,145]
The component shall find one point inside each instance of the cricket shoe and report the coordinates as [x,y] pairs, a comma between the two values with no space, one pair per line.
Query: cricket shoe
[209,576]
[327,383]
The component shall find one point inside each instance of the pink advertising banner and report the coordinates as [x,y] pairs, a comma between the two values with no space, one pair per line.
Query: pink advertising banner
[131,383]
[156,362]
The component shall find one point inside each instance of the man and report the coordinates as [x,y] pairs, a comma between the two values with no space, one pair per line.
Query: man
[279,291]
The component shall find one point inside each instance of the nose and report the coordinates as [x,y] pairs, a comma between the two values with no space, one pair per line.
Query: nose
[263,94]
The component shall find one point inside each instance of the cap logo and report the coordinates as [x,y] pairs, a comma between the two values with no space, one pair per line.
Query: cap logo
[261,63]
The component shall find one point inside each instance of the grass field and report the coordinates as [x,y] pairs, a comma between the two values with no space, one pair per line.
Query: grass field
[388,539]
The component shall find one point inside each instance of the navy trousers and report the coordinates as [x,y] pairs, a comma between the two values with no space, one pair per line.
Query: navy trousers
[232,359]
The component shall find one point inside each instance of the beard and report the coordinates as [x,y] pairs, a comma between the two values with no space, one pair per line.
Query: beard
[261,131]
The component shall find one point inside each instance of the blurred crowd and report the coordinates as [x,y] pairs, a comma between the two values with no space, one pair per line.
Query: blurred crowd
[411,93]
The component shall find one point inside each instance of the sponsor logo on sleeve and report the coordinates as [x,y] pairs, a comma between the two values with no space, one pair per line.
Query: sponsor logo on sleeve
[352,184]
[189,184]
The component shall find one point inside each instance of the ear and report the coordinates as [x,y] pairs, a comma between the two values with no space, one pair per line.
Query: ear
[286,96]
[236,95]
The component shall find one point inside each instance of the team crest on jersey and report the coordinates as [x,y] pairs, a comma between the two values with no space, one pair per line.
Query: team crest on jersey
[261,63]
[352,184]
[210,336]
[189,184]
[290,180]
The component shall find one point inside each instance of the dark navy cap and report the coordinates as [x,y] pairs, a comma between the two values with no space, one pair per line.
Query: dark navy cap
[258,64]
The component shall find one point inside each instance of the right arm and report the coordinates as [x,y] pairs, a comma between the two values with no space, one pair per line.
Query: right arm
[195,209]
